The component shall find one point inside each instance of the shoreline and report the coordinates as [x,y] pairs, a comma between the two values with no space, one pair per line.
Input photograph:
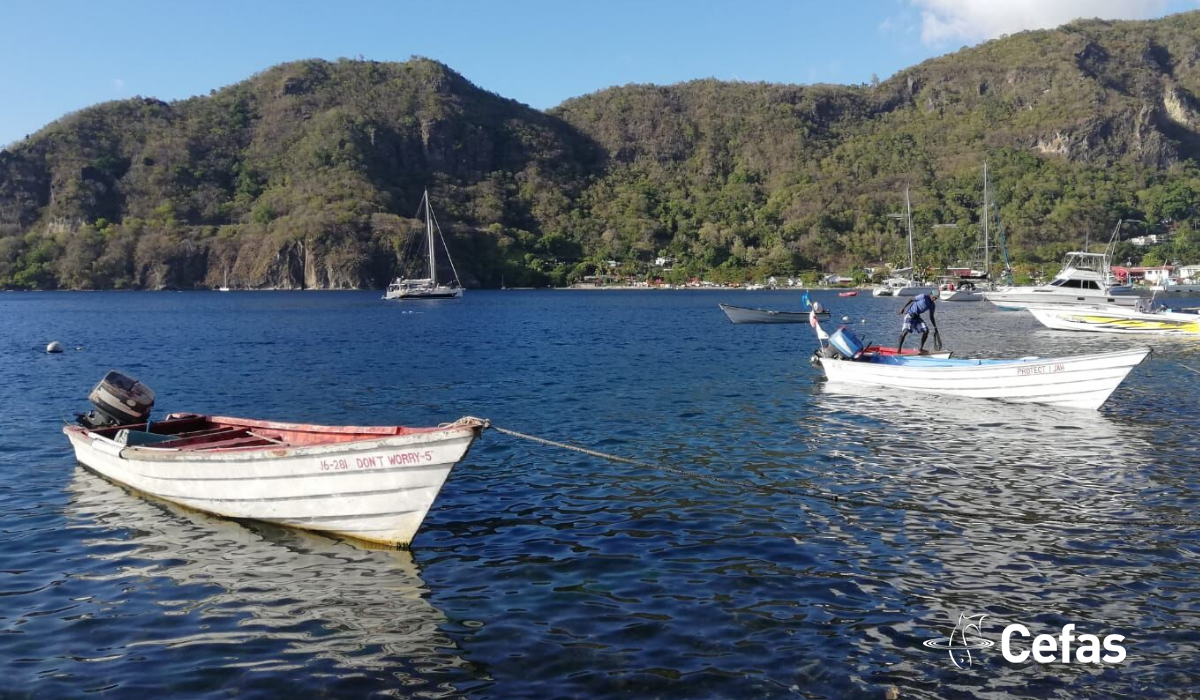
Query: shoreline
[572,288]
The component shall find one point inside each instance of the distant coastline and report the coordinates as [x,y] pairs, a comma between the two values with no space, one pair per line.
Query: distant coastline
[576,288]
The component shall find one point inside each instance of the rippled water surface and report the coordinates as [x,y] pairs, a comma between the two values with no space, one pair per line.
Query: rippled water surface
[839,531]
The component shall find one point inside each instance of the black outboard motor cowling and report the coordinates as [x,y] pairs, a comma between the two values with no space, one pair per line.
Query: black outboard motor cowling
[119,400]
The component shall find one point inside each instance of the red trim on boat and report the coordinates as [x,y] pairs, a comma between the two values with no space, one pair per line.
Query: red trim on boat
[204,433]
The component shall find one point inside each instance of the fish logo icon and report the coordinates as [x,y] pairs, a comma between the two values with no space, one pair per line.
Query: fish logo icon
[964,638]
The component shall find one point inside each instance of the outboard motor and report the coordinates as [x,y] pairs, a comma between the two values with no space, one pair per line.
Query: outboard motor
[846,343]
[119,400]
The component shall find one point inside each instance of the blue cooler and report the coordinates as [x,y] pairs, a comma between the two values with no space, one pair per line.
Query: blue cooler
[844,341]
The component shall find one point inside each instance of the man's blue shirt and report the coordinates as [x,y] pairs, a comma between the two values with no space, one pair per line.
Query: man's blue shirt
[920,304]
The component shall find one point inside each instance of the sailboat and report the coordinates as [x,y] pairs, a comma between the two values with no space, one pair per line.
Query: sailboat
[898,285]
[428,287]
[224,287]
[968,289]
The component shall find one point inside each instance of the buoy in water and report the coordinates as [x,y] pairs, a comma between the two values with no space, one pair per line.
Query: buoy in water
[54,347]
[845,319]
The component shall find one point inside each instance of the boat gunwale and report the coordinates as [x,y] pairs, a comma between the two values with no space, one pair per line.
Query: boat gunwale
[277,450]
[365,430]
[804,315]
[910,362]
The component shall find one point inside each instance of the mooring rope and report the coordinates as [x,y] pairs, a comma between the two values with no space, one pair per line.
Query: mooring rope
[624,460]
[830,497]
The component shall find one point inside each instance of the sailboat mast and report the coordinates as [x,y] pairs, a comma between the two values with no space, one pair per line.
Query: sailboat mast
[429,237]
[912,264]
[987,214]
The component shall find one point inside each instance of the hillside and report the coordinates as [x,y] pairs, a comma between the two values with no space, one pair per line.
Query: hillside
[306,175]
[1084,125]
[309,174]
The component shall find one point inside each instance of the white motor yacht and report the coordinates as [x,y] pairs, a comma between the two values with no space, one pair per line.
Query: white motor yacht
[1084,280]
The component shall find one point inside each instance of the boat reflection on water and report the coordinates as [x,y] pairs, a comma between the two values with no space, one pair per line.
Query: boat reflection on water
[1032,512]
[1028,461]
[298,596]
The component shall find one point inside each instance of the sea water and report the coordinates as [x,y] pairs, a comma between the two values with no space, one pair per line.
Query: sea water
[724,566]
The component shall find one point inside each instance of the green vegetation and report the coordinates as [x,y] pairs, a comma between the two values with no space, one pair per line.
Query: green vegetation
[309,174]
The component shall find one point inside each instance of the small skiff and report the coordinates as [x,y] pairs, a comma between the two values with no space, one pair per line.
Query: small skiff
[1114,319]
[851,293]
[370,483]
[1077,381]
[740,314]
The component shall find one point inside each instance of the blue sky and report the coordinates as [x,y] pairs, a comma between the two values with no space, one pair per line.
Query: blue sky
[60,56]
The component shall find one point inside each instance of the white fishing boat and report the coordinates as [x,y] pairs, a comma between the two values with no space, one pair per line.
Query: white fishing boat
[1078,381]
[1117,319]
[959,293]
[952,288]
[1084,280]
[428,287]
[741,314]
[370,483]
[899,285]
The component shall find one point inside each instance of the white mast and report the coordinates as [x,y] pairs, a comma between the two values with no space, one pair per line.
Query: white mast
[429,236]
[987,214]
[912,264]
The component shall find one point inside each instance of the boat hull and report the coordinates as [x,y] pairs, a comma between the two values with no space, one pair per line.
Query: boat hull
[1117,320]
[439,292]
[378,490]
[914,290]
[740,314]
[1083,381]
[960,295]
[1017,299]
[902,290]
[1179,289]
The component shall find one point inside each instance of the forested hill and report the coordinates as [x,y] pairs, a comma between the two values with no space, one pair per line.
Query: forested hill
[306,175]
[309,174]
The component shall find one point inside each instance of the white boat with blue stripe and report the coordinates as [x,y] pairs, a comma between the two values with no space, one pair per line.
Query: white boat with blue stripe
[1076,381]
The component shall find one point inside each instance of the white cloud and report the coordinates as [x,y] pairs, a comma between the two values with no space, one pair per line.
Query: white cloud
[944,21]
[118,84]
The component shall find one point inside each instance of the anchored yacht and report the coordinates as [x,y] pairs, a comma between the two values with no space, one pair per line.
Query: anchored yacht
[1084,280]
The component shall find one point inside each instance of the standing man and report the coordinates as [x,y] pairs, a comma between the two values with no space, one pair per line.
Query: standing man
[913,323]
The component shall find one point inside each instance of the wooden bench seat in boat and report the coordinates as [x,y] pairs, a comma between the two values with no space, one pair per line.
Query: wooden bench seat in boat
[134,438]
[204,438]
[224,440]
[244,440]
